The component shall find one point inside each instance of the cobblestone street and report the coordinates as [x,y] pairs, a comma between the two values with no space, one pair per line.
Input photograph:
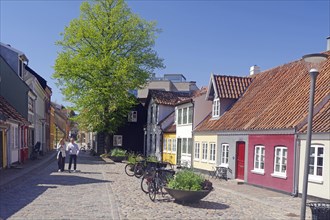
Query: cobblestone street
[101,190]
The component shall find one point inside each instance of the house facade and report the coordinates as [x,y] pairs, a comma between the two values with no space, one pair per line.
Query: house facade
[262,129]
[210,148]
[319,166]
[160,105]
[15,92]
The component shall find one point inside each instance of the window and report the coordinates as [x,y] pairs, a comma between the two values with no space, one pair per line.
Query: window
[150,142]
[190,114]
[174,145]
[180,116]
[117,140]
[224,154]
[165,145]
[184,117]
[212,152]
[280,160]
[216,108]
[259,159]
[156,114]
[204,152]
[184,146]
[155,142]
[169,145]
[316,162]
[197,149]
[132,116]
[31,104]
[151,114]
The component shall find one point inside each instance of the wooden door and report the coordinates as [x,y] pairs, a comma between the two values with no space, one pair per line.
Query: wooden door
[240,155]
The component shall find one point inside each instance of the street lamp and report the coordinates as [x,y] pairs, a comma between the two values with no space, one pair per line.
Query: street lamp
[313,63]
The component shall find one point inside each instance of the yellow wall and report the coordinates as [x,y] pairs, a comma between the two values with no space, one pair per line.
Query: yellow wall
[169,154]
[198,163]
[4,151]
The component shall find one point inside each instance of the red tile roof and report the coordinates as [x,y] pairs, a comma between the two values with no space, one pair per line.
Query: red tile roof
[276,99]
[321,120]
[170,129]
[231,86]
[10,112]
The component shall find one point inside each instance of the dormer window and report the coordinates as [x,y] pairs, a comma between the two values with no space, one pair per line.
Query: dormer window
[216,108]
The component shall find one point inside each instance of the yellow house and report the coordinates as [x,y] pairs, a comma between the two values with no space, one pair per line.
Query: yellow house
[205,151]
[169,145]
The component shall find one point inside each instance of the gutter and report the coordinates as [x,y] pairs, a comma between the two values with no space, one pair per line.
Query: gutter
[296,153]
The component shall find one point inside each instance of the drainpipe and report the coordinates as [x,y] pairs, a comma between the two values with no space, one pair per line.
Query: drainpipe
[296,152]
[192,136]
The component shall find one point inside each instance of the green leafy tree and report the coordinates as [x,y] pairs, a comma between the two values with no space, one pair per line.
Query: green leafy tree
[106,52]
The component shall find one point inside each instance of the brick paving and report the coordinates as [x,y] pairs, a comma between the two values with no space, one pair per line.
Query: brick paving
[102,190]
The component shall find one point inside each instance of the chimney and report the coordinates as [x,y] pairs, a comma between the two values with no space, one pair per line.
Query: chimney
[254,70]
[328,43]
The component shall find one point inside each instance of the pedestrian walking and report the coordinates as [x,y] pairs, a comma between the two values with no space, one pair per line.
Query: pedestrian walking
[73,150]
[61,155]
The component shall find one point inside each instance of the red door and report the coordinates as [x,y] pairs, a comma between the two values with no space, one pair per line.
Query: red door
[240,155]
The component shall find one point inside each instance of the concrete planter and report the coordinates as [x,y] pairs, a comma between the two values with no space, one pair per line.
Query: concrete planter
[186,196]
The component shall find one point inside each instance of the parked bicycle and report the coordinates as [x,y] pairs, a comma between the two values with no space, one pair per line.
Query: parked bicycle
[35,151]
[158,181]
[132,162]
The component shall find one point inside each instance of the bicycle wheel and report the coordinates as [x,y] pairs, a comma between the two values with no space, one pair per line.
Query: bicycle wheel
[138,170]
[145,181]
[152,191]
[129,169]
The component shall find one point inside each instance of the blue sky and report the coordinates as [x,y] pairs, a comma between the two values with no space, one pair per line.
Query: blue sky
[198,37]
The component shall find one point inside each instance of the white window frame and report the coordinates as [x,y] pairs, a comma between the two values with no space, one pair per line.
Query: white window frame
[212,152]
[165,145]
[224,154]
[174,145]
[179,116]
[204,151]
[190,114]
[185,116]
[117,140]
[315,156]
[184,146]
[216,107]
[259,159]
[169,145]
[197,151]
[132,116]
[280,159]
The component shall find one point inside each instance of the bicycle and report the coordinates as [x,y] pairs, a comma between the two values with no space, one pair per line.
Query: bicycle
[158,182]
[35,151]
[129,169]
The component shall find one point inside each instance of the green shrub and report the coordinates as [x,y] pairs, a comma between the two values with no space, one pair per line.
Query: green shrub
[117,152]
[187,180]
[133,158]
[152,159]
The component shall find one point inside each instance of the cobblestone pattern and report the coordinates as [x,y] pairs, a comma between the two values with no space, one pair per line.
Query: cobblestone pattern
[103,191]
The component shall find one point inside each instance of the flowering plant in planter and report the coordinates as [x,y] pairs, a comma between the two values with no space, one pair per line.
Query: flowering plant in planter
[117,154]
[187,186]
[189,180]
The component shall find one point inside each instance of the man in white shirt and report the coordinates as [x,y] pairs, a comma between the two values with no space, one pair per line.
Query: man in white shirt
[73,152]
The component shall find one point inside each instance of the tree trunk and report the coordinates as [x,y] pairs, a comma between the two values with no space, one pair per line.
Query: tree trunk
[107,142]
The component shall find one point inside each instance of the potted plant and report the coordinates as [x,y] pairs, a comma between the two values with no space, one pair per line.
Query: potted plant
[117,155]
[188,186]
